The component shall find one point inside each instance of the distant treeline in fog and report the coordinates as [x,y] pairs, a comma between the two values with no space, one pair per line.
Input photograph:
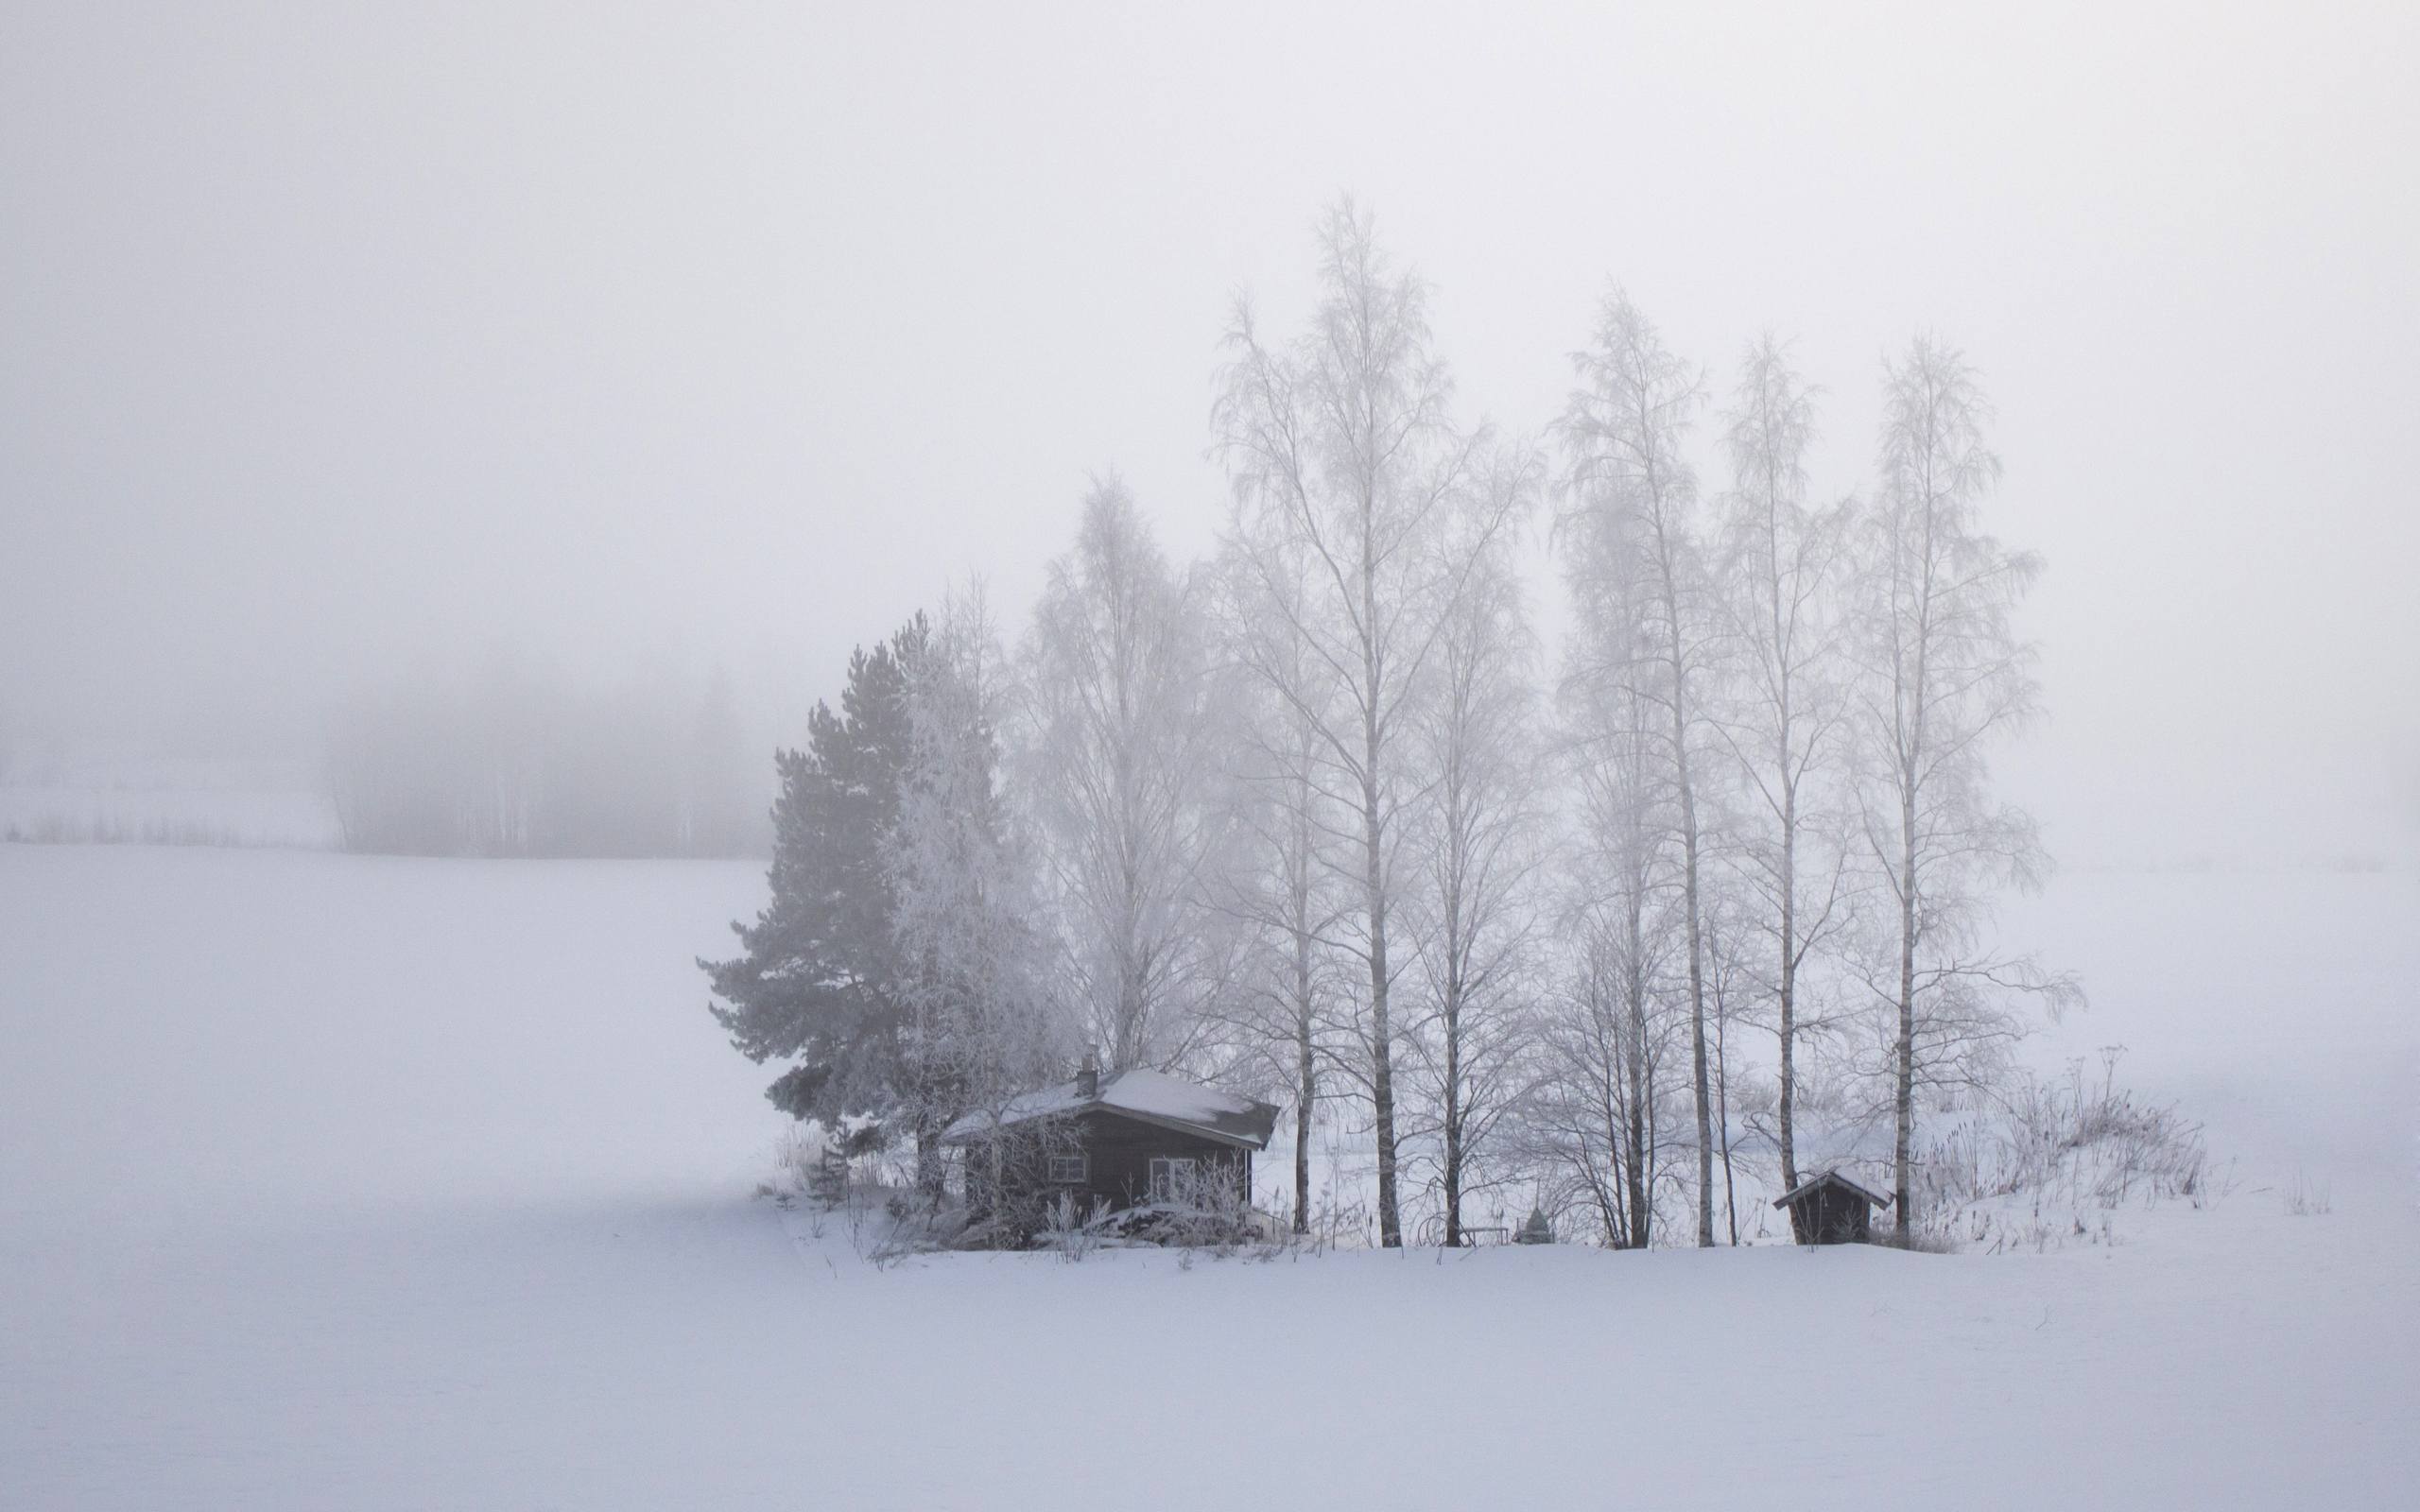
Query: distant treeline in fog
[511,763]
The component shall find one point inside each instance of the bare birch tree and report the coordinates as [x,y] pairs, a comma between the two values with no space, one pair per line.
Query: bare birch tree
[1479,850]
[1121,764]
[1597,1113]
[1785,593]
[1639,561]
[1284,886]
[1733,994]
[1944,675]
[1343,449]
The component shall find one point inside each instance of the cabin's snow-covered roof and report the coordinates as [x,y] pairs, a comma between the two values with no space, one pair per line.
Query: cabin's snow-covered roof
[1835,1179]
[1152,1096]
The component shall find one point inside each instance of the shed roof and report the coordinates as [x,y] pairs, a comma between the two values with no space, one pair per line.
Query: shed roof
[1150,1097]
[1832,1178]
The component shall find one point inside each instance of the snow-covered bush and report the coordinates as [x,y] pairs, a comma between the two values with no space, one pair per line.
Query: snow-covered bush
[1072,1229]
[1012,1202]
[2070,1144]
[1205,1209]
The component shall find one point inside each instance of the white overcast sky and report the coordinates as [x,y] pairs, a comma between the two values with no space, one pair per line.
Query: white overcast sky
[334,337]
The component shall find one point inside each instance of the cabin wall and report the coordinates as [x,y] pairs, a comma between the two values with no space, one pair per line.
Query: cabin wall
[1830,1216]
[1117,1165]
[1119,1152]
[1853,1220]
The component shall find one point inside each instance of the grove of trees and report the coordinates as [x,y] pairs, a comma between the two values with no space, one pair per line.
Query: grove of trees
[1632,928]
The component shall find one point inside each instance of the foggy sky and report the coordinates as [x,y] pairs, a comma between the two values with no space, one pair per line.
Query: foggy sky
[336,342]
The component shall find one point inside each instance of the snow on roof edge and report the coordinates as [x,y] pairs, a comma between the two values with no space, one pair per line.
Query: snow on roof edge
[1150,1096]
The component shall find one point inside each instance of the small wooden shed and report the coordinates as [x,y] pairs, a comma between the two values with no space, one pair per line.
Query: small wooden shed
[1123,1140]
[1829,1208]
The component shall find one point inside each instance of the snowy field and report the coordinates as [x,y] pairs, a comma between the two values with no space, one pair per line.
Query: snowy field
[110,796]
[330,1181]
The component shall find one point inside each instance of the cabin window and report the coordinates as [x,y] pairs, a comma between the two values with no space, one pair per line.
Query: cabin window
[1067,1168]
[1170,1177]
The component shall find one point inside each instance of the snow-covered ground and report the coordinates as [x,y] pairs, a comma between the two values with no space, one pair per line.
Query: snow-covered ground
[342,1181]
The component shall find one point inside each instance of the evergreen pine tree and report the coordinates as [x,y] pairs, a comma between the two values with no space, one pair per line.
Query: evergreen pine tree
[818,981]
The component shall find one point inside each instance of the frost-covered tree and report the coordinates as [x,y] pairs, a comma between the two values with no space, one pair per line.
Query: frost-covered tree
[818,981]
[1944,675]
[977,1024]
[1479,845]
[1643,593]
[1731,1001]
[1124,735]
[1601,1115]
[1598,1114]
[1345,458]
[1785,593]
[1283,884]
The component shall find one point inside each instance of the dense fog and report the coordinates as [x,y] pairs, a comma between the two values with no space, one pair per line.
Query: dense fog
[1546,754]
[346,360]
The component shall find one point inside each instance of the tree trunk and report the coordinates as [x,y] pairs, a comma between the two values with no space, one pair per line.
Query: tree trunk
[1697,963]
[1722,1103]
[1382,1076]
[1642,1221]
[1453,1117]
[931,1174]
[1382,1081]
[1126,1043]
[1303,1147]
[1904,1094]
[1783,641]
[1306,1084]
[1912,746]
[1789,975]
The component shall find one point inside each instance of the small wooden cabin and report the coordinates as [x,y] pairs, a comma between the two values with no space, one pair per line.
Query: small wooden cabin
[1829,1208]
[1120,1142]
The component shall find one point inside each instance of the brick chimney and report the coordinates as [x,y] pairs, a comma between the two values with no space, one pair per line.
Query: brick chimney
[1088,1078]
